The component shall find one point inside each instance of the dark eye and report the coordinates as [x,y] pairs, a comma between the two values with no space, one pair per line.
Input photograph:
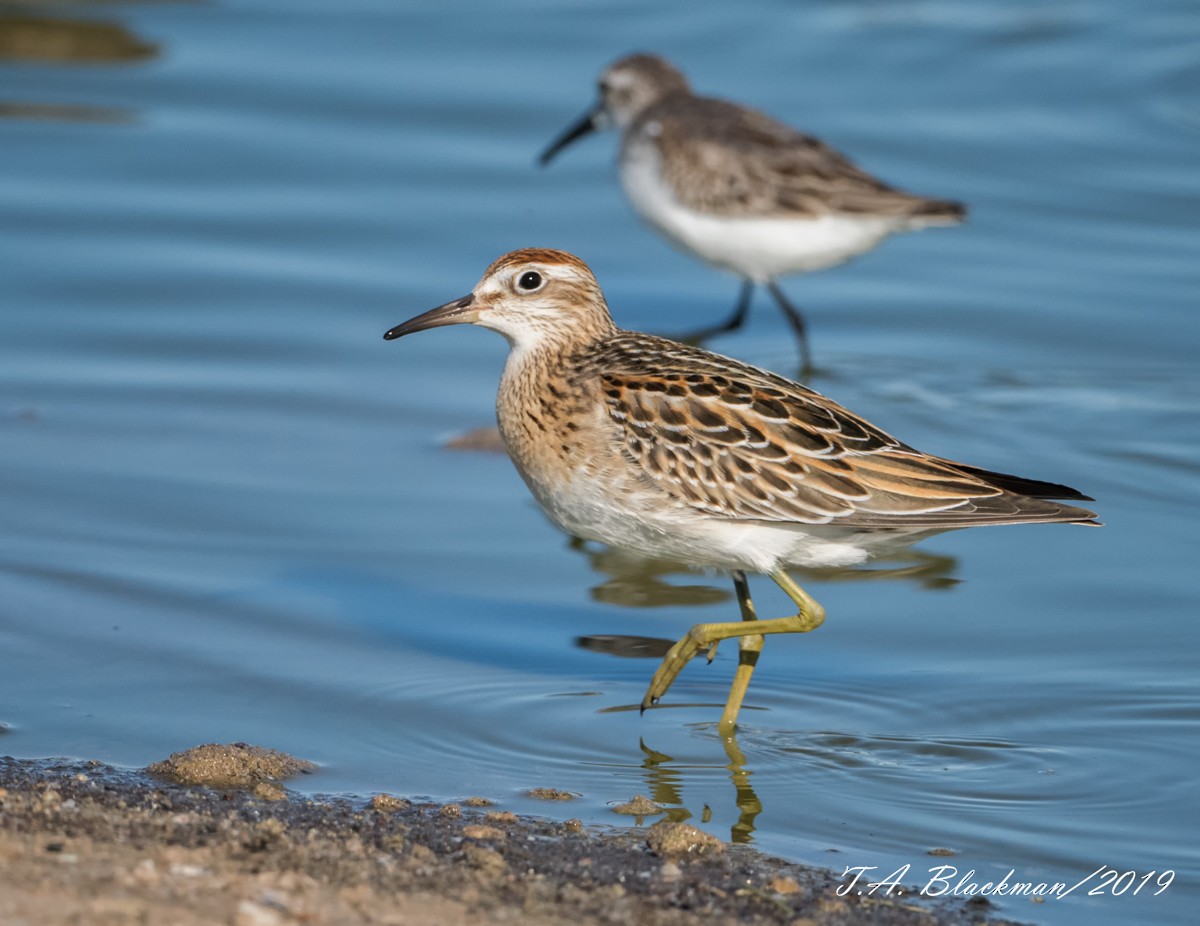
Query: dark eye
[530,280]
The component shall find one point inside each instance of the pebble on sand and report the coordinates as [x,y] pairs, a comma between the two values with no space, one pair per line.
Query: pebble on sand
[550,794]
[236,766]
[670,839]
[639,806]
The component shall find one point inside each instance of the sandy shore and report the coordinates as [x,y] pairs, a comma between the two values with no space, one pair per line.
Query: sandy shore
[85,843]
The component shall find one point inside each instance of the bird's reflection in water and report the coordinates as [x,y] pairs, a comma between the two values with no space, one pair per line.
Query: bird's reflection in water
[637,582]
[634,581]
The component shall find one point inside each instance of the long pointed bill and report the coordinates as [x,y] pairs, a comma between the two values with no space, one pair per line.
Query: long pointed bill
[586,124]
[452,313]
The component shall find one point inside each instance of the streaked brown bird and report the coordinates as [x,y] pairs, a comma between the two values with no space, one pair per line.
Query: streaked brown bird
[671,451]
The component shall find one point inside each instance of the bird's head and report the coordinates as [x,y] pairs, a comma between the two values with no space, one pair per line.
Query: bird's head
[625,89]
[529,296]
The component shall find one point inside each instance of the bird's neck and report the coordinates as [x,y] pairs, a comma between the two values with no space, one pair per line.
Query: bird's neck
[534,368]
[538,354]
[543,395]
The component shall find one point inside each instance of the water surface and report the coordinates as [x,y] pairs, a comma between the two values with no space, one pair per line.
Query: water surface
[226,512]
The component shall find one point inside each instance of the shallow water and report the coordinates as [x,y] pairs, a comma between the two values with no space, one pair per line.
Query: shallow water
[227,513]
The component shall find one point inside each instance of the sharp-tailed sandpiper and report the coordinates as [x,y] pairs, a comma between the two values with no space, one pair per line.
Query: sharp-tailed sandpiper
[672,451]
[738,189]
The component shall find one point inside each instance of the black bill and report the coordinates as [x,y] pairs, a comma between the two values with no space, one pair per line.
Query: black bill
[585,125]
[452,313]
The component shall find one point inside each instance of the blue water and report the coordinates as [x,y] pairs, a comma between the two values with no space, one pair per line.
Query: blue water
[227,512]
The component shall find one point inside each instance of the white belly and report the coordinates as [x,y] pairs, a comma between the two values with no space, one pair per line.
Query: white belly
[757,248]
[646,523]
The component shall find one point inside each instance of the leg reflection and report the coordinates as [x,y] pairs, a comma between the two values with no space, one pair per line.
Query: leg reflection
[748,804]
[664,783]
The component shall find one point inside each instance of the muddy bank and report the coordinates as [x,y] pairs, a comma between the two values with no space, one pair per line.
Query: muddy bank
[85,843]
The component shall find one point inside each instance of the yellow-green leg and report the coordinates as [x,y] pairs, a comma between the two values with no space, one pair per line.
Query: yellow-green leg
[749,631]
[748,650]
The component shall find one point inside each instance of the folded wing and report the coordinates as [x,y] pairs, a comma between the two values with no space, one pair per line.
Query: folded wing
[741,443]
[730,160]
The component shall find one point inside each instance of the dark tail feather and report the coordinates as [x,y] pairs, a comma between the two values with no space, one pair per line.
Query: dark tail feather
[939,211]
[1034,488]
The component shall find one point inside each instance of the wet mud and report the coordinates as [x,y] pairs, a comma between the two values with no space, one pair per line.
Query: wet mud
[83,842]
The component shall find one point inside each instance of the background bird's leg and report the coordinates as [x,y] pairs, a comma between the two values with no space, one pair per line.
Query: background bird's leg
[734,322]
[809,616]
[748,650]
[799,326]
